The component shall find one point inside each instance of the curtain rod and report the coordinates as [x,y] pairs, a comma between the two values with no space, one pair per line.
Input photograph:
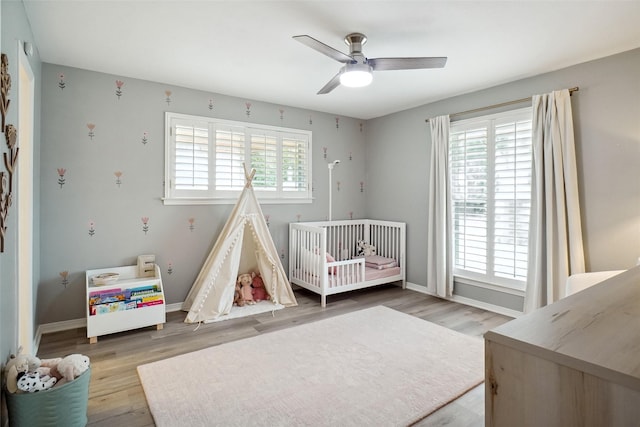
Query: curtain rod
[502,104]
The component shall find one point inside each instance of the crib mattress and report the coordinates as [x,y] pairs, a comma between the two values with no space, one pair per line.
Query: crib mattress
[374,273]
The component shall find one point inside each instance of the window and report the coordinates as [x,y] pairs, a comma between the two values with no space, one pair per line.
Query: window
[490,162]
[204,157]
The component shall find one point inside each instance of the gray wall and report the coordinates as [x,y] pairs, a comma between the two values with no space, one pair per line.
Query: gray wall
[15,26]
[396,159]
[393,149]
[88,191]
[607,129]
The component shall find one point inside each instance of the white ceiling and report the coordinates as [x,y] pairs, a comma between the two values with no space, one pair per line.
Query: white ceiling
[244,48]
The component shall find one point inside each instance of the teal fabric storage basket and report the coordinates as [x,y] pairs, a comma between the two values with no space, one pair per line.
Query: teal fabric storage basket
[63,406]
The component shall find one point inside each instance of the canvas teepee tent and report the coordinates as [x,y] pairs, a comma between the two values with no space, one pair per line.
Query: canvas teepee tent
[244,244]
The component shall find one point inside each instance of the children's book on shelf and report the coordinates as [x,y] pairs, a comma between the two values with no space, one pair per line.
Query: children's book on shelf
[113,300]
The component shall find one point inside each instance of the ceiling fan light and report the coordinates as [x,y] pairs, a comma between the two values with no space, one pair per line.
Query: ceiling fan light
[356,75]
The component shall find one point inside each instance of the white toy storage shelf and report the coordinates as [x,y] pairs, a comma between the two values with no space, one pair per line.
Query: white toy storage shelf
[128,302]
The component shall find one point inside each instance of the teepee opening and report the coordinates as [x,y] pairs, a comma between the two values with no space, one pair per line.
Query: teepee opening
[244,245]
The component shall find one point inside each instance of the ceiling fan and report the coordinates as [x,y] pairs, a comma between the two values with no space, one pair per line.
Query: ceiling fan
[357,71]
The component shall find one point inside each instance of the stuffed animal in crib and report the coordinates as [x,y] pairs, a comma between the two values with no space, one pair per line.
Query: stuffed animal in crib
[365,249]
[246,291]
[259,291]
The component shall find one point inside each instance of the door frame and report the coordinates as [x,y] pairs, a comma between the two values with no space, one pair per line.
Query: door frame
[25,177]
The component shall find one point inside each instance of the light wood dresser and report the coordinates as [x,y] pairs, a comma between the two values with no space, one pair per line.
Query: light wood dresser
[572,363]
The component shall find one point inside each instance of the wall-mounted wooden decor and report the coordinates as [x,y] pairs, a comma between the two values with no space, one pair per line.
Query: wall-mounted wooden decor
[11,157]
[5,200]
[5,86]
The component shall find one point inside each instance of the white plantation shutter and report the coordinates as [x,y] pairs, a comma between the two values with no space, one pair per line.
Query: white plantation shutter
[490,163]
[469,186]
[190,151]
[264,159]
[204,158]
[230,153]
[295,163]
[512,195]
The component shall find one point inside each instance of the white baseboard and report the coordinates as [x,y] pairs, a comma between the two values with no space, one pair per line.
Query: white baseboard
[47,328]
[66,325]
[468,301]
[174,307]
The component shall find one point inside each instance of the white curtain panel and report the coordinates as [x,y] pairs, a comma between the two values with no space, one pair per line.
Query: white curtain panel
[439,265]
[555,235]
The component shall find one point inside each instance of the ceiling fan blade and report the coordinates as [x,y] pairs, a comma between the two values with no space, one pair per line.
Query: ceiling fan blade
[382,64]
[333,83]
[323,48]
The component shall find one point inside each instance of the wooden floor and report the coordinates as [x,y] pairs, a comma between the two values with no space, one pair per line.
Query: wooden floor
[116,397]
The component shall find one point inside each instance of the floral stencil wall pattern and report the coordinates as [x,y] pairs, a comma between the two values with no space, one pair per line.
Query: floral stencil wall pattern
[104,204]
[91,127]
[61,172]
[145,224]
[119,84]
[65,278]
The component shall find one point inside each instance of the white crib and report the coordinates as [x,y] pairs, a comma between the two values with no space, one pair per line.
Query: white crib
[323,255]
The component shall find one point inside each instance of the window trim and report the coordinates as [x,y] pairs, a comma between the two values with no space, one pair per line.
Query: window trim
[469,277]
[279,196]
[512,290]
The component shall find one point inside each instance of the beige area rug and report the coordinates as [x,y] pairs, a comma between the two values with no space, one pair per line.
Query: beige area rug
[374,367]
